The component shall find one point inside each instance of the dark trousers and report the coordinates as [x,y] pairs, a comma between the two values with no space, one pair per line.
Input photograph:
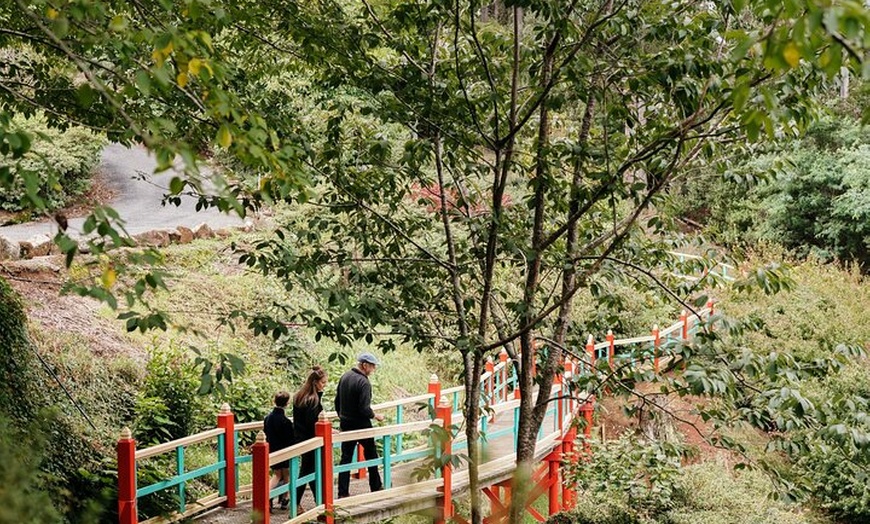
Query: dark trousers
[370,451]
[307,467]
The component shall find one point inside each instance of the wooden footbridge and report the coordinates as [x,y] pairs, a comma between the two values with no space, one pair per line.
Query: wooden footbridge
[237,472]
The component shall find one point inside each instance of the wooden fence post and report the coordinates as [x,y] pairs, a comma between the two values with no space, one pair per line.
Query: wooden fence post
[489,367]
[226,421]
[361,473]
[611,349]
[587,409]
[323,429]
[445,503]
[559,380]
[126,450]
[260,488]
[656,343]
[572,370]
[553,484]
[568,493]
[503,358]
[434,389]
[590,351]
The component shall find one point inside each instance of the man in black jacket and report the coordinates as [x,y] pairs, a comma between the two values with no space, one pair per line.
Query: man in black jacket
[353,402]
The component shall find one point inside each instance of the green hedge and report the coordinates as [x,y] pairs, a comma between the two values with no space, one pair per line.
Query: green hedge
[812,197]
[60,160]
[68,483]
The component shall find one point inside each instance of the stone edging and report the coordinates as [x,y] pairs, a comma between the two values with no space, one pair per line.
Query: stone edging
[42,245]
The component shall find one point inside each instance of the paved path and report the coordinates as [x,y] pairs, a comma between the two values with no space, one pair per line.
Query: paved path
[137,201]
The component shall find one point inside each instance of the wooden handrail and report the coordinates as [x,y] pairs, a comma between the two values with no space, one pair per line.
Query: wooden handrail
[697,257]
[250,426]
[391,404]
[295,450]
[380,431]
[403,401]
[635,340]
[186,441]
[505,406]
[676,327]
[454,389]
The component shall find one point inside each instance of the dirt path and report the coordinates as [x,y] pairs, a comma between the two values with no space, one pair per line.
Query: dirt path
[137,200]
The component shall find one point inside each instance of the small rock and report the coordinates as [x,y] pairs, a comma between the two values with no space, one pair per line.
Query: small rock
[203,231]
[181,235]
[37,265]
[9,250]
[223,233]
[247,227]
[37,246]
[156,238]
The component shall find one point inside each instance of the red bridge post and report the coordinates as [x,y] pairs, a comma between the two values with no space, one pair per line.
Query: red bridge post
[261,479]
[657,340]
[611,349]
[553,461]
[560,403]
[445,503]
[435,389]
[323,429]
[590,350]
[361,472]
[226,421]
[684,320]
[126,449]
[587,409]
[568,494]
[490,368]
[503,358]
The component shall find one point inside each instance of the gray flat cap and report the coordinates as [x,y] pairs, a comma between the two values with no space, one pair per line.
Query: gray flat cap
[368,358]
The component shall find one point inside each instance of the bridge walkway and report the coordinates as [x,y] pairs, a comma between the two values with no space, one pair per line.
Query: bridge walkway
[409,493]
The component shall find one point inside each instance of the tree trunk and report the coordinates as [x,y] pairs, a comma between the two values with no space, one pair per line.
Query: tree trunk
[528,426]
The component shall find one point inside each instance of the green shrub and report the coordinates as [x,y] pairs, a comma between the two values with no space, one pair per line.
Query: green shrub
[597,511]
[21,498]
[71,457]
[61,160]
[818,202]
[638,475]
[167,405]
[839,483]
[822,206]
[703,493]
[838,473]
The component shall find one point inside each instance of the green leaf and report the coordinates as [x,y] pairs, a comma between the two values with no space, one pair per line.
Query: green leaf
[224,136]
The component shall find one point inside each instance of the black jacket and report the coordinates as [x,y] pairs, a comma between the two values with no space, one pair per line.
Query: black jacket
[278,429]
[353,400]
[304,418]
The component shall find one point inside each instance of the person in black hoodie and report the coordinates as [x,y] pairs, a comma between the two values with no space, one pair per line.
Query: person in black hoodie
[306,410]
[279,434]
[353,402]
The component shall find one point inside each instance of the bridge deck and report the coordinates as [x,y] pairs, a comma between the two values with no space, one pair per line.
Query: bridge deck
[409,495]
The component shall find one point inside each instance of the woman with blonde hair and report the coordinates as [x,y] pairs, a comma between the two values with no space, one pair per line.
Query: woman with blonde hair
[306,410]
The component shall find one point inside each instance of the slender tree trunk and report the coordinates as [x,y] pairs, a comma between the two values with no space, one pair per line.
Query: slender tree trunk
[570,271]
[526,440]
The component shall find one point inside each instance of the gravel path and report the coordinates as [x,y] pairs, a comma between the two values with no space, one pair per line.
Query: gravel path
[137,201]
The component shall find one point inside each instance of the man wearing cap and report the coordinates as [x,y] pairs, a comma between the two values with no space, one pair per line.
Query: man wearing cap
[353,402]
